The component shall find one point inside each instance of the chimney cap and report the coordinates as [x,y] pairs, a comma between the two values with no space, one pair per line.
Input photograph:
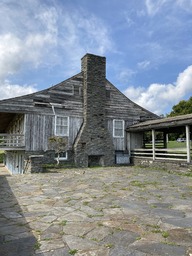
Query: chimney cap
[92,55]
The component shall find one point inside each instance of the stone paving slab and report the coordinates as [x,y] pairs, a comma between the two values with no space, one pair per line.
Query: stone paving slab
[118,211]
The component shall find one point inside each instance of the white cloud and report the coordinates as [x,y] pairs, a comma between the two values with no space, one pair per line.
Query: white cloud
[160,97]
[125,75]
[154,6]
[97,34]
[128,19]
[9,90]
[144,64]
[185,5]
[34,34]
[81,33]
[27,35]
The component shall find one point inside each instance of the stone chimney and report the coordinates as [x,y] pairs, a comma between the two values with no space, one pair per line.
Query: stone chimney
[94,145]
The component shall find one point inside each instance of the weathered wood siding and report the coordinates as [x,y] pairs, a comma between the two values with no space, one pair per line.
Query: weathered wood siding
[119,143]
[74,127]
[120,107]
[14,161]
[67,99]
[136,140]
[68,94]
[39,128]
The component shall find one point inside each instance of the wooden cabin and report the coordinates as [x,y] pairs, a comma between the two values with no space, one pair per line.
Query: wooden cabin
[86,109]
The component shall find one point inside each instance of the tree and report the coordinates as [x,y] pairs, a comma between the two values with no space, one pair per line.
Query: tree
[59,144]
[182,108]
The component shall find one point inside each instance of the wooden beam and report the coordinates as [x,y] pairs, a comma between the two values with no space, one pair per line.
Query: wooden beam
[153,143]
[129,142]
[165,139]
[187,127]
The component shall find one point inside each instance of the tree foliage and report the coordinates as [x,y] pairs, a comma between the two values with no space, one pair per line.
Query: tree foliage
[59,144]
[182,108]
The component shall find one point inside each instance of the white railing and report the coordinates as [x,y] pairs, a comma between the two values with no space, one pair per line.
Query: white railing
[163,154]
[11,140]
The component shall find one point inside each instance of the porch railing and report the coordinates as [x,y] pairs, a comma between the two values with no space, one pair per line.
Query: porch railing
[11,140]
[163,154]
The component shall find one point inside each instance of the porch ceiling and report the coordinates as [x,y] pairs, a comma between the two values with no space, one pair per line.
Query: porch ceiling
[5,119]
[173,124]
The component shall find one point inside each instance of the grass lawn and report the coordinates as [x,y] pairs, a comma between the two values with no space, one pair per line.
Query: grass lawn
[175,144]
[171,145]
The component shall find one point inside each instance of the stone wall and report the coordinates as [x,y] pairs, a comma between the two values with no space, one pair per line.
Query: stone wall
[94,141]
[35,161]
[179,166]
[39,161]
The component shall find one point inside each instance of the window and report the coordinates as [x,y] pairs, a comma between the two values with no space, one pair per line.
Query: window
[61,126]
[62,155]
[118,128]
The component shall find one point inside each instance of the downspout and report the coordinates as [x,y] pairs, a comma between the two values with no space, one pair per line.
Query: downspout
[53,108]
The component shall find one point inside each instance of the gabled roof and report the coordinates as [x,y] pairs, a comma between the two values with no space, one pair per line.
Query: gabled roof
[29,103]
[121,104]
[63,94]
[162,124]
[68,96]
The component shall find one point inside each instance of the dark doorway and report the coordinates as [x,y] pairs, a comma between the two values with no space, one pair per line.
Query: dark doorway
[95,160]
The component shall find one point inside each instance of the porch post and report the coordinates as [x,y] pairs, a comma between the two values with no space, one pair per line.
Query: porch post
[165,140]
[187,127]
[129,142]
[153,143]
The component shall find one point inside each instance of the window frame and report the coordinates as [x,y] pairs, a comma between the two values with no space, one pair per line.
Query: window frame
[123,128]
[61,135]
[62,158]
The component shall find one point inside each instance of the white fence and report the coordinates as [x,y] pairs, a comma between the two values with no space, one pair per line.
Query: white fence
[163,154]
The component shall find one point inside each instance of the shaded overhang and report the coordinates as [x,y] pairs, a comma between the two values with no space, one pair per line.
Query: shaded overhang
[169,124]
[5,119]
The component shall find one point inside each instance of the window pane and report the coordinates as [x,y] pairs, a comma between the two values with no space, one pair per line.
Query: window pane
[57,130]
[118,124]
[62,155]
[60,130]
[65,121]
[118,128]
[61,126]
[59,120]
[118,132]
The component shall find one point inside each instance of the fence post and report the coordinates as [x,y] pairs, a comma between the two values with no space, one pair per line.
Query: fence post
[187,127]
[153,143]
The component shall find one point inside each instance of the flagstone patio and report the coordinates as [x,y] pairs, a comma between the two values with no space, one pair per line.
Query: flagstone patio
[118,211]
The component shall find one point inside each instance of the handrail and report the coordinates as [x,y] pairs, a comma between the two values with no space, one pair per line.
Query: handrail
[166,154]
[8,140]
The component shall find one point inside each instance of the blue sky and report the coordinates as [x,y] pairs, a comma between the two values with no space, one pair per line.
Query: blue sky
[147,43]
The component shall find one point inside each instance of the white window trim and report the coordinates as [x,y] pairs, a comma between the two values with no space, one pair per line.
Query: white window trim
[56,125]
[63,158]
[115,136]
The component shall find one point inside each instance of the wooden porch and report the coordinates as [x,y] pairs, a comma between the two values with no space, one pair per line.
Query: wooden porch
[158,150]
[161,154]
[12,141]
